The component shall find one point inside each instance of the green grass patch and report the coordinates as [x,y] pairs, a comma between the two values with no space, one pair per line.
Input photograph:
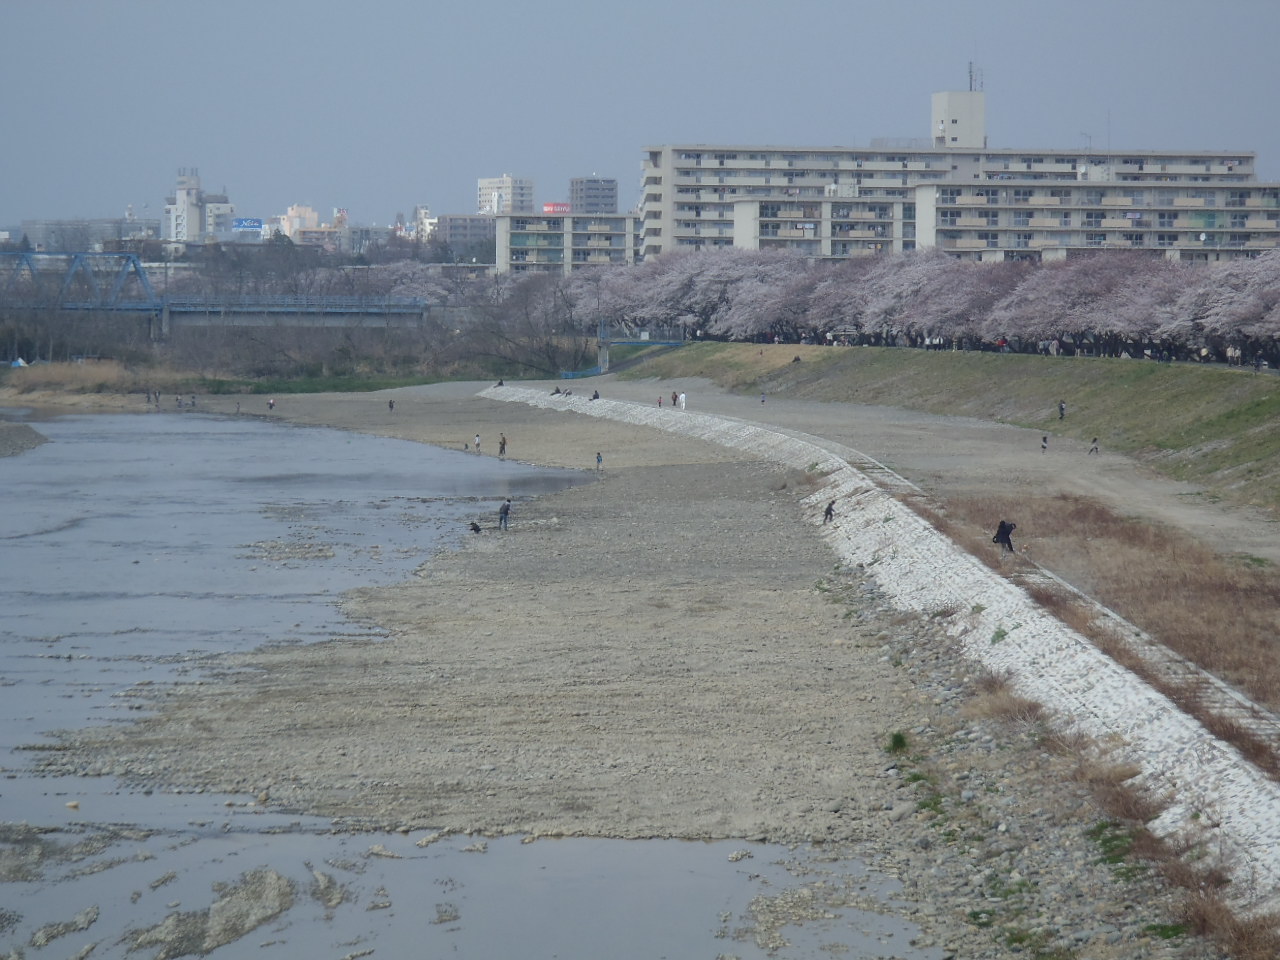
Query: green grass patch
[1166,931]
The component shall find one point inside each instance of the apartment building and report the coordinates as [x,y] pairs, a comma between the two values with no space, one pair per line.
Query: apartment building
[87,235]
[460,231]
[556,243]
[954,193]
[191,214]
[504,194]
[593,195]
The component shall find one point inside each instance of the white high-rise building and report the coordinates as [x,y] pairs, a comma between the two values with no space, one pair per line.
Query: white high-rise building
[504,194]
[191,215]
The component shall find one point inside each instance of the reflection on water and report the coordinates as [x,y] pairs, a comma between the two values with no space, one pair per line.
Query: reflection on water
[137,548]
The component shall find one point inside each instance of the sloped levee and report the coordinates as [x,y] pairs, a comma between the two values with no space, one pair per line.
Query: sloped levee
[1217,796]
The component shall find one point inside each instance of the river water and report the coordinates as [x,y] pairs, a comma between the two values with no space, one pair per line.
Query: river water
[135,549]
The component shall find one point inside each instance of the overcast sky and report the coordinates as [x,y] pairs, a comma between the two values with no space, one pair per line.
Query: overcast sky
[381,105]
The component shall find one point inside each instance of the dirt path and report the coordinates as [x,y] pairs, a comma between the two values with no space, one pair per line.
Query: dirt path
[962,457]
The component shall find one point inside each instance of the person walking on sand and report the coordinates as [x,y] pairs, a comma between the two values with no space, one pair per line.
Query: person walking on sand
[659,401]
[1062,409]
[1004,536]
[477,443]
[502,444]
[682,401]
[271,404]
[1094,446]
[1044,444]
[675,399]
[391,405]
[599,462]
[829,514]
[504,514]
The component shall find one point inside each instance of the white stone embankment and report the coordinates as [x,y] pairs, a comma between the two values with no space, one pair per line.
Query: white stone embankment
[1215,795]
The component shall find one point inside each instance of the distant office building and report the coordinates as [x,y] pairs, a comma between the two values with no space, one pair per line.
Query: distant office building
[504,194]
[193,215]
[423,223]
[593,195]
[294,220]
[952,192]
[87,236]
[461,231]
[553,243]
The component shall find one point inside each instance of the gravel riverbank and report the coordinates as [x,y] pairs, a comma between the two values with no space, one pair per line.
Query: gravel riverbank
[669,652]
[18,438]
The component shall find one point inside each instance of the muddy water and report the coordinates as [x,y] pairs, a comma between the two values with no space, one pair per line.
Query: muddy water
[134,550]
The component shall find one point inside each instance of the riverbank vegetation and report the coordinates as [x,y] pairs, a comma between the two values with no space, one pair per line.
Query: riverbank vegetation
[1112,304]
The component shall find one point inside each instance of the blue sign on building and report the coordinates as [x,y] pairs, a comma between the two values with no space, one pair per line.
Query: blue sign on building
[246,223]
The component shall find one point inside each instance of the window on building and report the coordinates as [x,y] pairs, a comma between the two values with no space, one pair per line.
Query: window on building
[1134,239]
[991,239]
[1095,239]
[1166,239]
[1022,240]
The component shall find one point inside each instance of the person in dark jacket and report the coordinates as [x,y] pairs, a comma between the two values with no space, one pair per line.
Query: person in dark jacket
[1004,535]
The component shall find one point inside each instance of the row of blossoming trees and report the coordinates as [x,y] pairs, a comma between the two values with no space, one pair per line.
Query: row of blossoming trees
[1108,303]
[1111,303]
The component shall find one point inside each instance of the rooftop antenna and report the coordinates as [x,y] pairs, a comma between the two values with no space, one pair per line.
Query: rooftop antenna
[975,77]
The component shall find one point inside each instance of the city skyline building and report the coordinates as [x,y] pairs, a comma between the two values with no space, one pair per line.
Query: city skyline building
[963,198]
[192,215]
[463,231]
[504,194]
[59,236]
[588,195]
[560,243]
